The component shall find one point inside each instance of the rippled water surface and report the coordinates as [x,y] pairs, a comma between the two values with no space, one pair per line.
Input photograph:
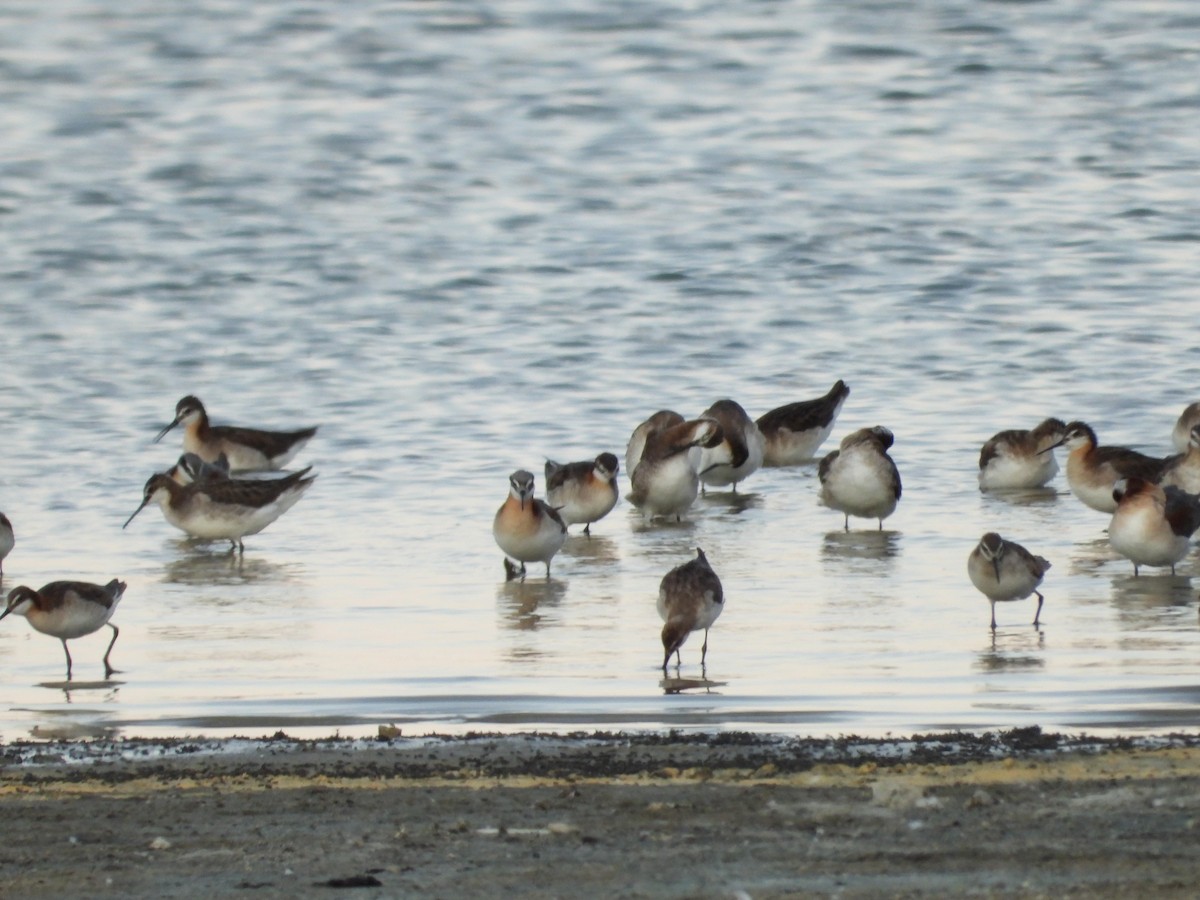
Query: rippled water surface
[464,237]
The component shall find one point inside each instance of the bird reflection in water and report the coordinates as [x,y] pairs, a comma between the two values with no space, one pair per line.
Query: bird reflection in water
[1013,650]
[592,549]
[1089,557]
[677,685]
[527,605]
[1132,593]
[733,504]
[220,568]
[863,544]
[1043,496]
[640,524]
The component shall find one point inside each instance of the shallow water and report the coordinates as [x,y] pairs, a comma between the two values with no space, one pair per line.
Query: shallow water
[463,239]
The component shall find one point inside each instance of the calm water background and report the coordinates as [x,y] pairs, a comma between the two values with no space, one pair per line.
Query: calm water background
[463,237]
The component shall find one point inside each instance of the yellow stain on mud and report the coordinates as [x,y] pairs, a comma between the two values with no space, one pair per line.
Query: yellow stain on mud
[1106,766]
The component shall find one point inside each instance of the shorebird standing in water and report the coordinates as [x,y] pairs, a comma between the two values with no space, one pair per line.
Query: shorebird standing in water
[860,479]
[224,510]
[8,540]
[69,609]
[1021,460]
[738,454]
[525,528]
[1093,471]
[690,598]
[1152,525]
[1004,570]
[793,433]
[583,491]
[665,482]
[247,449]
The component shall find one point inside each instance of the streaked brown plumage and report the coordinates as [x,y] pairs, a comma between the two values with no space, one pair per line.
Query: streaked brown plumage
[690,598]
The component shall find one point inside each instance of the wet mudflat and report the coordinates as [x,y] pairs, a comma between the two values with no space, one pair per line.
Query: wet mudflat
[1019,814]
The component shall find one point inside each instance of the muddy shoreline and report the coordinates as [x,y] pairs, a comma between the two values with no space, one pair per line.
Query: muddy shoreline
[1013,814]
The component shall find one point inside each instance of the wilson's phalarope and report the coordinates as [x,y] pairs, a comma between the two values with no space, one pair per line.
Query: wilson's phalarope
[1004,570]
[191,468]
[1183,471]
[583,491]
[860,479]
[738,454]
[1181,435]
[1092,470]
[525,528]
[660,421]
[665,482]
[793,433]
[247,449]
[690,598]
[226,510]
[1152,526]
[1018,459]
[8,540]
[69,609]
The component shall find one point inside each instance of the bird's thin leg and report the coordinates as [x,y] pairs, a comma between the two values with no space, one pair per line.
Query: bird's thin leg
[993,615]
[704,649]
[1038,614]
[68,652]
[587,529]
[108,670]
[846,524]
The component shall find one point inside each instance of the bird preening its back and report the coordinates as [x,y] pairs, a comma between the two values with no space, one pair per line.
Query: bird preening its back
[793,433]
[859,478]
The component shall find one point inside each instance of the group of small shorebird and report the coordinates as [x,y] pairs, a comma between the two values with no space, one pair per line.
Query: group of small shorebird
[1154,502]
[200,494]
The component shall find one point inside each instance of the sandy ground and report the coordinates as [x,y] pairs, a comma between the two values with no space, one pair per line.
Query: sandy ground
[1019,814]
